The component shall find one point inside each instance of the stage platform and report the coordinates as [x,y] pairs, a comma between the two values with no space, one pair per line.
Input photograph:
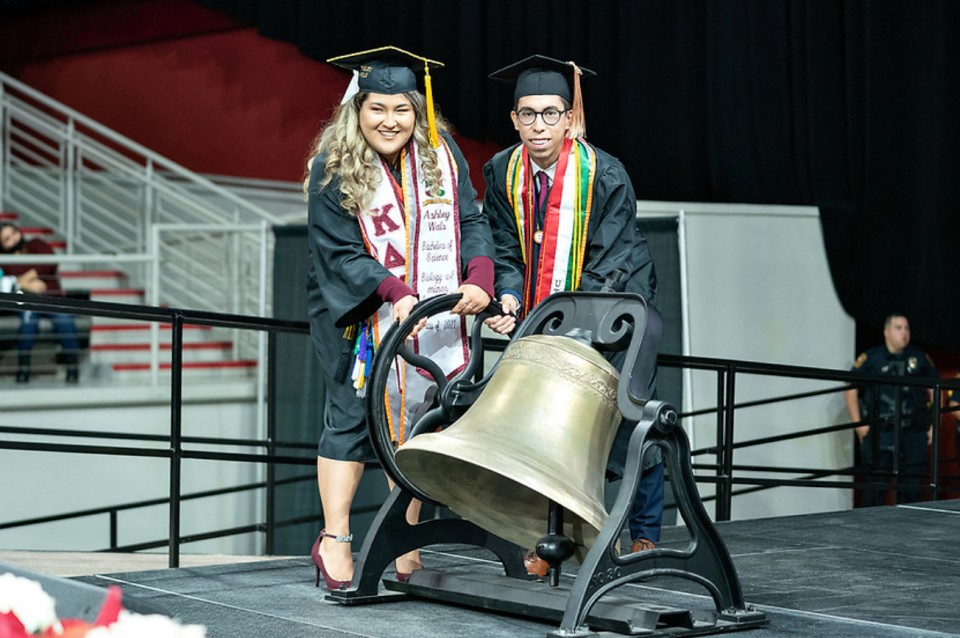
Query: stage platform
[888,571]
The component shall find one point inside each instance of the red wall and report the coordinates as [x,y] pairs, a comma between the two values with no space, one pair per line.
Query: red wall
[216,97]
[227,103]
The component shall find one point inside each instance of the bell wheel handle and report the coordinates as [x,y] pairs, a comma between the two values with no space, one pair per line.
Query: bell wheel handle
[393,345]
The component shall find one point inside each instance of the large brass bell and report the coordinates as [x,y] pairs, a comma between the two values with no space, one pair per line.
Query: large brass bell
[540,431]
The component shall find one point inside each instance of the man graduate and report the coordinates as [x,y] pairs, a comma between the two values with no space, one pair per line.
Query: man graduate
[563,216]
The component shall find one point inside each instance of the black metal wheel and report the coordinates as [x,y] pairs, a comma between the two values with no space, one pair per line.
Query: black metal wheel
[452,398]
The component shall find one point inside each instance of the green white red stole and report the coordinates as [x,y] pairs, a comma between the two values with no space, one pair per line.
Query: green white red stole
[563,238]
[415,234]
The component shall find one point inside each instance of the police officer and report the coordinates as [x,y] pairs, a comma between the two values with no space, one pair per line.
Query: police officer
[880,404]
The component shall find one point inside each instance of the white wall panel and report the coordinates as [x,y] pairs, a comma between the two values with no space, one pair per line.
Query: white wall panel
[758,288]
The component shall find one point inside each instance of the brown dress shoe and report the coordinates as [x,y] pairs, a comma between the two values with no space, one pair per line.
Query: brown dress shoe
[642,545]
[535,565]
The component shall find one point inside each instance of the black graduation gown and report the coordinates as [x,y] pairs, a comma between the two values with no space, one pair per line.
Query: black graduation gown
[341,290]
[613,240]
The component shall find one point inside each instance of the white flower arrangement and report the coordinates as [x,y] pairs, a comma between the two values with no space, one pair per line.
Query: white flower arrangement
[130,625]
[35,610]
[27,601]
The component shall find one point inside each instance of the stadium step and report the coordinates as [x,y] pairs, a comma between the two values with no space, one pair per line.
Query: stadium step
[139,332]
[87,279]
[139,352]
[218,369]
[117,295]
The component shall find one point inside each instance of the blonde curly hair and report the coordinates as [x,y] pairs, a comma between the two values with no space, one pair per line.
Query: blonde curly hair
[350,157]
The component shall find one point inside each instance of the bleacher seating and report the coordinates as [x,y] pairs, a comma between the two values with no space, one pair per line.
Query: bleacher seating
[113,349]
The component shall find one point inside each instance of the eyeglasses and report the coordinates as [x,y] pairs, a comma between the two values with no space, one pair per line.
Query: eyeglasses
[550,116]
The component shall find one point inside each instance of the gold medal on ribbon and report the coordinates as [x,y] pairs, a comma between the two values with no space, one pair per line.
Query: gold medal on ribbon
[538,236]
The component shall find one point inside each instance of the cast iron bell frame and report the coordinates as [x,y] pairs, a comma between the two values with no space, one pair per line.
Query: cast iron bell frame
[613,322]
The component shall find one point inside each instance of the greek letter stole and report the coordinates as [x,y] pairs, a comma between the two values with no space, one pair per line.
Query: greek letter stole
[415,233]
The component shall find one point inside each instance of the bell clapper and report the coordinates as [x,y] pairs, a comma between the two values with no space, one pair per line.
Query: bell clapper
[555,547]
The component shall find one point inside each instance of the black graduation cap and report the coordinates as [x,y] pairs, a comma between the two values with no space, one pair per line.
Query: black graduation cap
[542,75]
[390,70]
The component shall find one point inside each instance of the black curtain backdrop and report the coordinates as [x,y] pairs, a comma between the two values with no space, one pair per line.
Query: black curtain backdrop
[847,105]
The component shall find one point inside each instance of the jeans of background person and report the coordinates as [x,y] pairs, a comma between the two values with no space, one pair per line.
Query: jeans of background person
[646,511]
[66,329]
[913,463]
[63,325]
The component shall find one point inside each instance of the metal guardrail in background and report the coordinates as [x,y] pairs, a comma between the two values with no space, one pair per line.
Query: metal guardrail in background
[175,451]
[104,192]
[724,468]
[722,473]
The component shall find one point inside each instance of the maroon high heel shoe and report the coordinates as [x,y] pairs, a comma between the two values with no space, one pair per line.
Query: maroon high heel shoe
[405,576]
[331,583]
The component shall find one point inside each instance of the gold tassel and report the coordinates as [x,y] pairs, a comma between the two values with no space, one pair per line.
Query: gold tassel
[578,124]
[431,116]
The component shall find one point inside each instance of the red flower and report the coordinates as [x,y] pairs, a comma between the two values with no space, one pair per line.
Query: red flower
[11,627]
[111,608]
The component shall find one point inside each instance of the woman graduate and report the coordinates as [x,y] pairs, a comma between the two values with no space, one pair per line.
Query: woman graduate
[393,218]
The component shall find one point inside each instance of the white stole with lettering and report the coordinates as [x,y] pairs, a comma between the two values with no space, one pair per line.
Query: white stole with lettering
[415,234]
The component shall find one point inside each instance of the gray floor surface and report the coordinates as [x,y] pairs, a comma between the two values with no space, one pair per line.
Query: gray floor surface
[890,571]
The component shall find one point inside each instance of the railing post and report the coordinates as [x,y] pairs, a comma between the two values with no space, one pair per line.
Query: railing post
[113,530]
[233,241]
[176,447]
[261,336]
[725,498]
[148,217]
[271,442]
[935,443]
[897,430]
[877,482]
[721,413]
[266,385]
[153,294]
[5,120]
[69,206]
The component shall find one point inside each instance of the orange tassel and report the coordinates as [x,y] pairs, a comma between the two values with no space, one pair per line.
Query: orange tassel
[578,124]
[431,116]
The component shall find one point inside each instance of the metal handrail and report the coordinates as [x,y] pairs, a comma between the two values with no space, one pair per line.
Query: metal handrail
[131,146]
[721,474]
[727,370]
[174,451]
[107,195]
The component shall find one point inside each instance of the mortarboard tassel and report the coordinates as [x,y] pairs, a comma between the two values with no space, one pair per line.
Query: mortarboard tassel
[578,125]
[431,116]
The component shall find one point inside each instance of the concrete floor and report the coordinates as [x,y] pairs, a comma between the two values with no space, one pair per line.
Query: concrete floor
[883,572]
[69,564]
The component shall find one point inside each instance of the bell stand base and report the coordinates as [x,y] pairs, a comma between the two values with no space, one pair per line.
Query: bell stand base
[580,608]
[705,560]
[536,600]
[390,536]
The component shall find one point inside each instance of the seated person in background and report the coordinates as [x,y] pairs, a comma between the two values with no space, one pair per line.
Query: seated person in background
[40,279]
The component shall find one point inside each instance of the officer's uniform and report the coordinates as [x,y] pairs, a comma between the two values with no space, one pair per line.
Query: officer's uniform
[878,404]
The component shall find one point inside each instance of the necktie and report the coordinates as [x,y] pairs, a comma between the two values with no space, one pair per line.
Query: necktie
[542,189]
